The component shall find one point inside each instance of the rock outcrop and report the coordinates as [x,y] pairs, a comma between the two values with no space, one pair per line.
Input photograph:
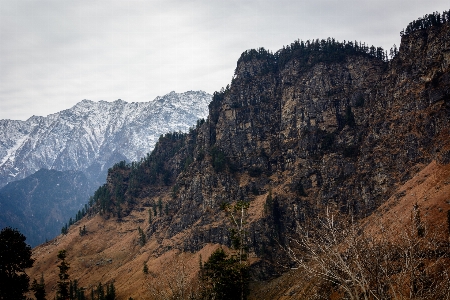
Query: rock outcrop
[313,130]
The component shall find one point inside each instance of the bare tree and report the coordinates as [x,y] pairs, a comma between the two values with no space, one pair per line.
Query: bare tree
[175,282]
[411,265]
[238,217]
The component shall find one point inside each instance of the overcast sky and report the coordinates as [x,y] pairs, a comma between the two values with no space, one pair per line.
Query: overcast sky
[54,54]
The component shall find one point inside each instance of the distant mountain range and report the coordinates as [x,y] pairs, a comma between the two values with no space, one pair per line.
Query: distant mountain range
[81,143]
[91,136]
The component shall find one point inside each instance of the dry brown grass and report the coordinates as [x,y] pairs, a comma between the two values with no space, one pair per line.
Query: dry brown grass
[111,252]
[429,188]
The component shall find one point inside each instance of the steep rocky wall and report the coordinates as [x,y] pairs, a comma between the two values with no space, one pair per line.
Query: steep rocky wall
[342,133]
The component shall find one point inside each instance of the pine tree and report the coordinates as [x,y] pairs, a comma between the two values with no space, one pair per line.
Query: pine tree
[65,229]
[160,207]
[226,277]
[62,292]
[100,292]
[110,292]
[15,257]
[145,270]
[154,209]
[39,288]
[142,238]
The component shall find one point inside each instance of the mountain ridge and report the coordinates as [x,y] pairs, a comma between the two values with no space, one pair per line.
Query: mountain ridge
[91,132]
[343,132]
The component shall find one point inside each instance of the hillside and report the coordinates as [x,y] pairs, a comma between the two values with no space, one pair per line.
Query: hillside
[40,204]
[429,189]
[315,125]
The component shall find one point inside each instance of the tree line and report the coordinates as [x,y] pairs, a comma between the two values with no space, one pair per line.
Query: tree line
[223,276]
[311,52]
[430,20]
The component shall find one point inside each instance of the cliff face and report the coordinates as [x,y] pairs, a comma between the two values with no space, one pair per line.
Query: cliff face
[344,133]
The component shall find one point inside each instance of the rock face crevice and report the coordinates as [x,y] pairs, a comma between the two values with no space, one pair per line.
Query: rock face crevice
[311,132]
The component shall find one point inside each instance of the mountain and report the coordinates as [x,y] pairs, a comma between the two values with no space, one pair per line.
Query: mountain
[92,136]
[40,204]
[81,143]
[317,126]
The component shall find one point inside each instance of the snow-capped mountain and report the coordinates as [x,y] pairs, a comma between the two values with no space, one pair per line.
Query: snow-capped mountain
[91,136]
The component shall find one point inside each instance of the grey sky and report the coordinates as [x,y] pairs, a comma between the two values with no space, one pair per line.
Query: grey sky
[55,53]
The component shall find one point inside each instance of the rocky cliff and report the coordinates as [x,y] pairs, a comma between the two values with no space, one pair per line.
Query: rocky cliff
[341,128]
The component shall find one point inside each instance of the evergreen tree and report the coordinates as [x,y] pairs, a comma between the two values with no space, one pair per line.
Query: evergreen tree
[228,277]
[145,269]
[110,292]
[80,294]
[72,287]
[100,292]
[225,277]
[142,238]
[62,292]
[39,288]
[65,229]
[160,207]
[75,292]
[15,257]
[154,209]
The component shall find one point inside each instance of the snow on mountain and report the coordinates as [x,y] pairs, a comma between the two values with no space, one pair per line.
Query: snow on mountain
[91,136]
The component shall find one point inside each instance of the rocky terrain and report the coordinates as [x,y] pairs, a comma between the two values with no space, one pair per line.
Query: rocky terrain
[429,189]
[295,132]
